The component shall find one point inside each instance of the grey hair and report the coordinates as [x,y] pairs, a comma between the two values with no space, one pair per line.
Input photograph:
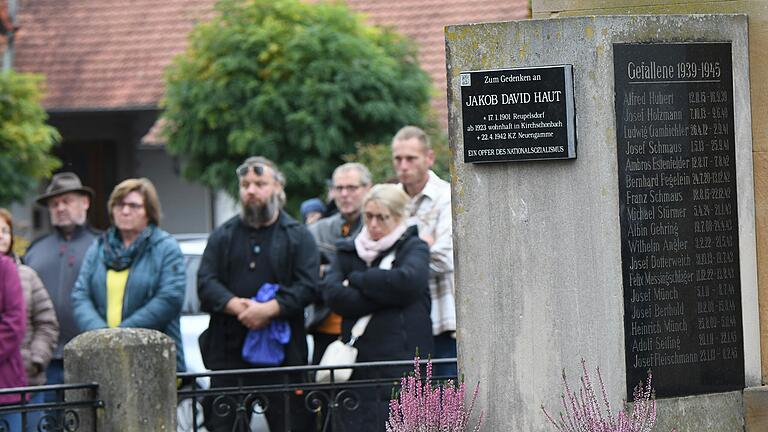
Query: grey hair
[261,160]
[390,196]
[365,174]
[408,132]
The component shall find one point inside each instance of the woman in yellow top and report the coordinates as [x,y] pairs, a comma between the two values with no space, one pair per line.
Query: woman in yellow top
[133,275]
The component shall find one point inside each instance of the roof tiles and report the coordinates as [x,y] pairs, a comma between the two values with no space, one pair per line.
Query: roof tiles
[111,54]
[103,54]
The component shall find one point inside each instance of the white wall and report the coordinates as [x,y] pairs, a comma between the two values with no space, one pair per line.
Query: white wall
[186,206]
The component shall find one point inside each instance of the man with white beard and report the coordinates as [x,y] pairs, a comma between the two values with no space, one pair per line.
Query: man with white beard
[262,245]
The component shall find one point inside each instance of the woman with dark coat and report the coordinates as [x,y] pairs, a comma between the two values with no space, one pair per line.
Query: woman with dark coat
[382,272]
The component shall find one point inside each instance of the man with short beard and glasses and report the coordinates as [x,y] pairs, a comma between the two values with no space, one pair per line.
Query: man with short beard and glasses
[261,245]
[57,256]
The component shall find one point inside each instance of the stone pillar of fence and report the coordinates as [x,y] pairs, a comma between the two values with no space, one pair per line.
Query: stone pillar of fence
[136,373]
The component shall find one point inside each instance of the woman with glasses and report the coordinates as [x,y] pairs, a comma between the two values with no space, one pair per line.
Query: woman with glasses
[381,276]
[42,326]
[133,275]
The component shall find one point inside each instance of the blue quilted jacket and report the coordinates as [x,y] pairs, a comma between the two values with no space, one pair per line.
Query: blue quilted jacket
[154,292]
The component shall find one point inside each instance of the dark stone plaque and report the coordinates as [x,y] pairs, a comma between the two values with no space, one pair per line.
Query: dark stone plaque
[518,114]
[678,214]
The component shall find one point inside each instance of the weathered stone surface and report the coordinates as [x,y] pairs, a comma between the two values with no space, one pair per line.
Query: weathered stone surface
[537,244]
[761,216]
[136,373]
[757,10]
[721,412]
[756,409]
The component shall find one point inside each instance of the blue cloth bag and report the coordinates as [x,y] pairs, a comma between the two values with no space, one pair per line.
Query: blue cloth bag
[266,346]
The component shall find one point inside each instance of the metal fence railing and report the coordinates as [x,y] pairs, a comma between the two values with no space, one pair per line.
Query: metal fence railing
[62,410]
[288,398]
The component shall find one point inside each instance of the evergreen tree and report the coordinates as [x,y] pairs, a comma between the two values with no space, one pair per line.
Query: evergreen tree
[301,84]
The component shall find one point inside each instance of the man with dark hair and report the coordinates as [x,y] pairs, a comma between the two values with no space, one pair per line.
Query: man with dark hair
[430,210]
[263,245]
[57,256]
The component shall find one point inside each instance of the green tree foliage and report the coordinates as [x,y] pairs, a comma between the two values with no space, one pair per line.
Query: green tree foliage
[378,157]
[25,139]
[299,83]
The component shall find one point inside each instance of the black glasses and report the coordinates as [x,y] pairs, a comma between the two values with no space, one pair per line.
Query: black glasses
[348,188]
[131,206]
[242,170]
[381,218]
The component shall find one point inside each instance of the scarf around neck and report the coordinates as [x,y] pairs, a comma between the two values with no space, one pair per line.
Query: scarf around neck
[116,255]
[368,249]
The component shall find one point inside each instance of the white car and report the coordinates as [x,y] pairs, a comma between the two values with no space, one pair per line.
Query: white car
[193,321]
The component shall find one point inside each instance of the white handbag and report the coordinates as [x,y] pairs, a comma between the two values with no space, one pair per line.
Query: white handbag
[339,353]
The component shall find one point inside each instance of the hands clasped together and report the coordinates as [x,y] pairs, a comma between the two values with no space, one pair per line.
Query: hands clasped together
[252,314]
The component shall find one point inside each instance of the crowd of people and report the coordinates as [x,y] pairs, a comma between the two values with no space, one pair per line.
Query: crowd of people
[377,271]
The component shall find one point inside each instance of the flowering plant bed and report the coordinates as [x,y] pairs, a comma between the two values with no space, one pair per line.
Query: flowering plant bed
[423,407]
[584,413]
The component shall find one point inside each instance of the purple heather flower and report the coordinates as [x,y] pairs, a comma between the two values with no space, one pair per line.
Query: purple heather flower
[583,412]
[423,407]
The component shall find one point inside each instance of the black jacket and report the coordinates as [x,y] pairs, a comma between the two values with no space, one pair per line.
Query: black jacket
[398,298]
[295,262]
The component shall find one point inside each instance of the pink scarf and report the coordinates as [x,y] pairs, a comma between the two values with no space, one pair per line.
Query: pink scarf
[368,249]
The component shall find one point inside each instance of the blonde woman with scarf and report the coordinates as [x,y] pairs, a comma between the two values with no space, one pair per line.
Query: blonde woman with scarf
[382,272]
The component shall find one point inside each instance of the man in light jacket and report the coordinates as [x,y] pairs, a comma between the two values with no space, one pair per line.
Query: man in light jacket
[430,210]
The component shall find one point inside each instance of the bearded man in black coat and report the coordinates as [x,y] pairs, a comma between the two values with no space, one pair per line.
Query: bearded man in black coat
[261,245]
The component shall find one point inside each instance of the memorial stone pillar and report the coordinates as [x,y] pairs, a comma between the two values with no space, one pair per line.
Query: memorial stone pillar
[757,12]
[621,232]
[136,373]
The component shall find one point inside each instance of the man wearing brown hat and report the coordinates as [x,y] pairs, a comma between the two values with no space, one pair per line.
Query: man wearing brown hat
[56,257]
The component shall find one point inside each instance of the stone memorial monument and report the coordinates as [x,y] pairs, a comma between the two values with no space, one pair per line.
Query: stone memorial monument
[634,249]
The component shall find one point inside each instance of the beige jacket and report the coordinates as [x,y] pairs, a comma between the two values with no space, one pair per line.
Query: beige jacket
[42,326]
[430,210]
